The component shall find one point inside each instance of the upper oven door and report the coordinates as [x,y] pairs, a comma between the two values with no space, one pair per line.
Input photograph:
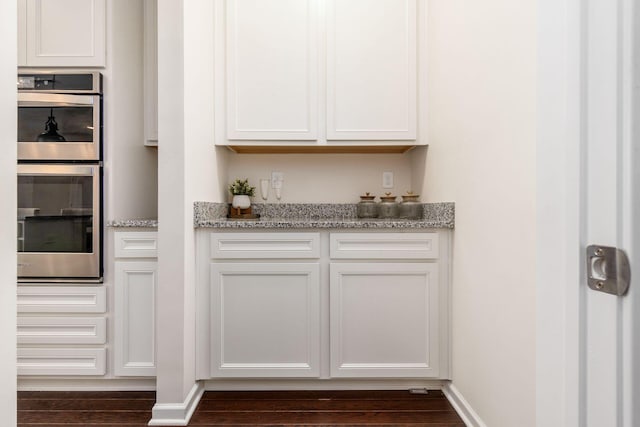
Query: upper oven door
[55,126]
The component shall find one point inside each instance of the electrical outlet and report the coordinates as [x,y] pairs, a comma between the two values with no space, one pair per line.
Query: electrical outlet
[276,179]
[387,179]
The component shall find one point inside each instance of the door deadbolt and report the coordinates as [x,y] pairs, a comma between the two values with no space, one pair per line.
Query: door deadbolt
[608,270]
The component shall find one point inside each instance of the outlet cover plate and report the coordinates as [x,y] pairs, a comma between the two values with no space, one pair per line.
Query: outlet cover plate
[276,179]
[387,179]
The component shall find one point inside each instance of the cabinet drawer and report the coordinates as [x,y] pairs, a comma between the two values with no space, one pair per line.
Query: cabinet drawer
[61,299]
[61,361]
[62,330]
[138,244]
[265,245]
[384,246]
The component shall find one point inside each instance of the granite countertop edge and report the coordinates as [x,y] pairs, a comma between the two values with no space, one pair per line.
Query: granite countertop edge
[133,223]
[322,224]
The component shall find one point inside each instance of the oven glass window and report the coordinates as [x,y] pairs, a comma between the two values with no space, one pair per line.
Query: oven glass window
[55,124]
[55,214]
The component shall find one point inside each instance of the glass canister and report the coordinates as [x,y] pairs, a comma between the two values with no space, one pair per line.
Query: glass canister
[388,208]
[367,208]
[410,208]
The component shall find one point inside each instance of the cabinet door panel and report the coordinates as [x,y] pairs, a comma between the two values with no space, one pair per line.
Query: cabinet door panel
[151,72]
[66,33]
[384,320]
[22,33]
[371,69]
[272,61]
[265,320]
[135,288]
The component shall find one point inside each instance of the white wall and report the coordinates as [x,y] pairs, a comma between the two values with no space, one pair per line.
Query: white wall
[8,186]
[130,167]
[323,178]
[482,124]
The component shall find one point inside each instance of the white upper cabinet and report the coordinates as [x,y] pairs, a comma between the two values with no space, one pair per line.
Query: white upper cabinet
[151,72]
[371,69]
[321,72]
[62,33]
[272,66]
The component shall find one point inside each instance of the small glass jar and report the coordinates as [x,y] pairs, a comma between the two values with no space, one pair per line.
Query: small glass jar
[388,208]
[410,208]
[367,208]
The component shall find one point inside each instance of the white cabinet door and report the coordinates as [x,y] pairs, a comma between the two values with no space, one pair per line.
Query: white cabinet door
[384,320]
[22,33]
[272,66]
[265,319]
[371,69]
[63,33]
[135,290]
[151,72]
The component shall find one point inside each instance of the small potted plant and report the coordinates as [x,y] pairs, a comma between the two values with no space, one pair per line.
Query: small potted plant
[241,191]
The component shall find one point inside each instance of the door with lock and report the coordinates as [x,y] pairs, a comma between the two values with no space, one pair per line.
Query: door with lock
[588,287]
[608,305]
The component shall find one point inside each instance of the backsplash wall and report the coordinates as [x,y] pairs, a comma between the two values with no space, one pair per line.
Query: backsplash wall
[323,178]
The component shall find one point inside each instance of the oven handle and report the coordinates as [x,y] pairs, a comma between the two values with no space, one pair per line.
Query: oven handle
[43,170]
[55,100]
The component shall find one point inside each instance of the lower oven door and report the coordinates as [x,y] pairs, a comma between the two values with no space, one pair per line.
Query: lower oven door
[59,223]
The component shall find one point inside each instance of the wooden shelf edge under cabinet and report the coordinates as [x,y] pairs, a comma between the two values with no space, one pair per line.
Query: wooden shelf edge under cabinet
[320,149]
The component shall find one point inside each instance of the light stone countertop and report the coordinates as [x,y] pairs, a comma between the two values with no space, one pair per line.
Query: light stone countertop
[303,216]
[318,216]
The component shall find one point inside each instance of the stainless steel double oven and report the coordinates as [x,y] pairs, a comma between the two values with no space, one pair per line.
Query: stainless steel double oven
[59,176]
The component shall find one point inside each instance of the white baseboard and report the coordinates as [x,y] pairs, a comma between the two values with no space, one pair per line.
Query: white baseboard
[314,384]
[177,414]
[462,407]
[85,384]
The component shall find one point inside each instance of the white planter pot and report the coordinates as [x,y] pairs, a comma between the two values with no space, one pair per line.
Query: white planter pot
[241,201]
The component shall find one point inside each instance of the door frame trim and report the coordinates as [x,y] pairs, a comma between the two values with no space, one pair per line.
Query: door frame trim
[560,191]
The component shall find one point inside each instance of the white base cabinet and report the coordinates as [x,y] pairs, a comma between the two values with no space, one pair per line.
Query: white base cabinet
[135,300]
[323,305]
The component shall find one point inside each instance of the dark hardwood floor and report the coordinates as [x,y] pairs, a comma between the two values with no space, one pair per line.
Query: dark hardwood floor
[335,408]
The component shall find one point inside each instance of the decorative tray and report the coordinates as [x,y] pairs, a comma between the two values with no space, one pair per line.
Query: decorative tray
[244,217]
